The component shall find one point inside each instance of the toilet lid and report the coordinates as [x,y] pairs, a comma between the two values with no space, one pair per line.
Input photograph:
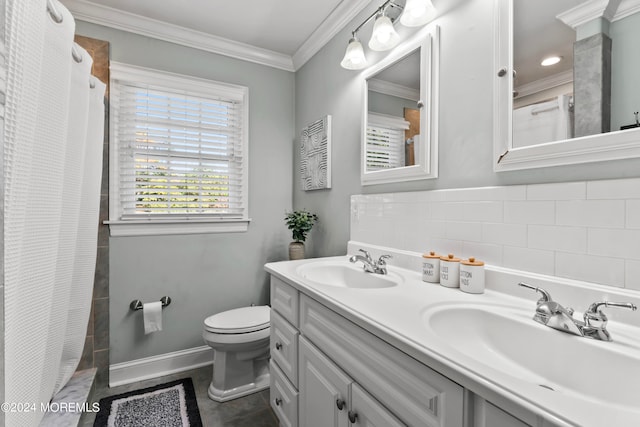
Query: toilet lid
[239,320]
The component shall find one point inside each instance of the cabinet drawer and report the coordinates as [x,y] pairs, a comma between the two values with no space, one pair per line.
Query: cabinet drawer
[283,398]
[284,347]
[285,300]
[417,395]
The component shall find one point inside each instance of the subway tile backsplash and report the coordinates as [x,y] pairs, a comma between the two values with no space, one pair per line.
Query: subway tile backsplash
[587,231]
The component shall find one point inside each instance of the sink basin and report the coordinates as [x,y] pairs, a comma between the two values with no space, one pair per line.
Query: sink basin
[346,275]
[507,340]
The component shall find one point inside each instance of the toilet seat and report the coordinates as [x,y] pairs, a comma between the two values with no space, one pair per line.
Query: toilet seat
[239,321]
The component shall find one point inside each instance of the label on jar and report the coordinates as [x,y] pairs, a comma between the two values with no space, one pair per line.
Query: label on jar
[465,277]
[444,272]
[428,269]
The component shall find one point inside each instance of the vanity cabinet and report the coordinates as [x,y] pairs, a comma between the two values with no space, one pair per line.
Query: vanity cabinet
[329,397]
[344,372]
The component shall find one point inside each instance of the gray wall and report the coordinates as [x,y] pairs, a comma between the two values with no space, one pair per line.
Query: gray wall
[388,104]
[208,273]
[625,69]
[465,142]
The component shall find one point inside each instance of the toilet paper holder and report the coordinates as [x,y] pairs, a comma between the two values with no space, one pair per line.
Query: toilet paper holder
[136,304]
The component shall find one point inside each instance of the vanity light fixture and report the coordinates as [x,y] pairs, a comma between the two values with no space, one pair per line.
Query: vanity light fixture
[417,12]
[551,60]
[354,58]
[384,37]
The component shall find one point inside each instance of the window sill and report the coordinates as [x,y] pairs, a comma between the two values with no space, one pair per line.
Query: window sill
[174,227]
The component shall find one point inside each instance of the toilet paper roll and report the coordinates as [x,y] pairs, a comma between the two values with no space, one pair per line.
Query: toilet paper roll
[152,314]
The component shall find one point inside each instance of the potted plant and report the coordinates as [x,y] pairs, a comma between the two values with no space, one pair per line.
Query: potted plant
[300,223]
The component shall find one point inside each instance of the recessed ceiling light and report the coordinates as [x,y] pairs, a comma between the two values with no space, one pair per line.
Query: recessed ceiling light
[551,60]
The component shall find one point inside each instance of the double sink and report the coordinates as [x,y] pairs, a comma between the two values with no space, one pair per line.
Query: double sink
[495,338]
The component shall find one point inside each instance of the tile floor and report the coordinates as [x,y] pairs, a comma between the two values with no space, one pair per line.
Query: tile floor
[249,411]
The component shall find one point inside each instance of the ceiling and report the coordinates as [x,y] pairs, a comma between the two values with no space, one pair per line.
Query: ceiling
[280,33]
[538,34]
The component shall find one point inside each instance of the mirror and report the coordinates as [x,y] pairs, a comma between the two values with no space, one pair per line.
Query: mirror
[398,138]
[561,114]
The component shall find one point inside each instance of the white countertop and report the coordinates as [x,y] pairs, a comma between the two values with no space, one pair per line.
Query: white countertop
[398,315]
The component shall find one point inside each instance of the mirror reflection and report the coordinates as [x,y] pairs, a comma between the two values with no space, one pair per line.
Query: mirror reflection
[592,89]
[393,115]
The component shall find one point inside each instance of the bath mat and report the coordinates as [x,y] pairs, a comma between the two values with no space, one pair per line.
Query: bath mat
[168,405]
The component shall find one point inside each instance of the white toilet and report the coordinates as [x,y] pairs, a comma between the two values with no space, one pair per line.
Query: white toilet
[240,342]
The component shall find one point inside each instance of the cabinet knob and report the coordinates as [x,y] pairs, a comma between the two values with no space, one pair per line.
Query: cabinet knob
[278,346]
[278,401]
[353,417]
[340,404]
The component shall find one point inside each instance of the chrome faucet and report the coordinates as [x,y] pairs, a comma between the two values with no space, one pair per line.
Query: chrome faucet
[595,321]
[369,265]
[554,315]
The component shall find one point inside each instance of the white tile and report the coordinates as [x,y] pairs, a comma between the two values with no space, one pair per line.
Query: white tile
[534,260]
[468,211]
[614,189]
[595,269]
[512,192]
[529,212]
[633,214]
[614,243]
[558,238]
[436,229]
[505,234]
[632,275]
[591,213]
[471,231]
[557,191]
[490,254]
[445,246]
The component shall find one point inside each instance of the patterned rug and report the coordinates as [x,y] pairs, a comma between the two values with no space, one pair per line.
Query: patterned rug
[168,405]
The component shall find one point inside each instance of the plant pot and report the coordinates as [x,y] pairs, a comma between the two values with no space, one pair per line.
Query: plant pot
[296,250]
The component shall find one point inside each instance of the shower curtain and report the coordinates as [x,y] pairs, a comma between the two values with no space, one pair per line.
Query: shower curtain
[52,157]
[542,122]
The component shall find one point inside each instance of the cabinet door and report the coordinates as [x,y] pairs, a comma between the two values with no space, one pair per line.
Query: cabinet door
[368,412]
[324,389]
[486,414]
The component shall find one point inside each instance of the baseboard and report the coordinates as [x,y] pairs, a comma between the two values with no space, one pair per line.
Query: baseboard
[158,366]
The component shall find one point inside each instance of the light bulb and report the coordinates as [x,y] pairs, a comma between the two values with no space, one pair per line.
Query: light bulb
[417,12]
[384,36]
[354,58]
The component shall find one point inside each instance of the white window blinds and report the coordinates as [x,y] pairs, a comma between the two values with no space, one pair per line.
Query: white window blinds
[385,142]
[181,152]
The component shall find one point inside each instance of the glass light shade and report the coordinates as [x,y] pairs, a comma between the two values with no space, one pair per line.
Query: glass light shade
[417,12]
[384,36]
[354,58]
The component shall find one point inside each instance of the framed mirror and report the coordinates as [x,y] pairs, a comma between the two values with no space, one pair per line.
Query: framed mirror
[399,136]
[579,110]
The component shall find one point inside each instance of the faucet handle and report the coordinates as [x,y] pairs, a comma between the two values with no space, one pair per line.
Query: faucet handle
[383,258]
[366,254]
[594,314]
[546,296]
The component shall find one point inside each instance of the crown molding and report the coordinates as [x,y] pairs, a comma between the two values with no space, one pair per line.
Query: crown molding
[584,13]
[545,83]
[393,89]
[611,10]
[137,24]
[626,8]
[344,13]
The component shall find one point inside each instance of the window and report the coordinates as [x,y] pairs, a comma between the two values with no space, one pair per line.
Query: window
[178,154]
[385,142]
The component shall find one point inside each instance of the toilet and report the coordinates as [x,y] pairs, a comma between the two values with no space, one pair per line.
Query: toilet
[240,342]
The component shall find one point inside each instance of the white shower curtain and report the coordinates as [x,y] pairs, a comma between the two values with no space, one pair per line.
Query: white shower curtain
[542,122]
[46,149]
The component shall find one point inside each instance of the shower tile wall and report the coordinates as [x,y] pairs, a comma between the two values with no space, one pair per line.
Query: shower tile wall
[96,349]
[588,230]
